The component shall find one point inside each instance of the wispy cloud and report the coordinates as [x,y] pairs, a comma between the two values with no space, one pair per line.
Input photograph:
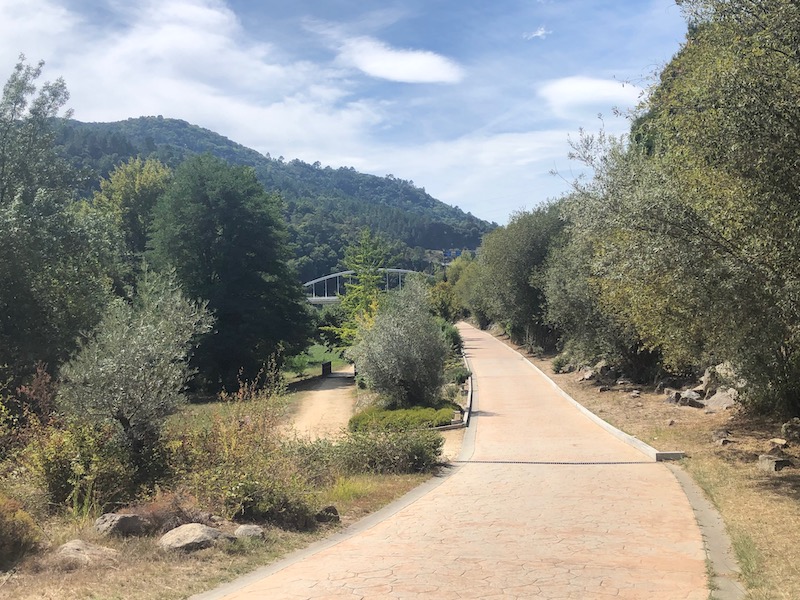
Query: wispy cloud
[570,95]
[541,33]
[377,59]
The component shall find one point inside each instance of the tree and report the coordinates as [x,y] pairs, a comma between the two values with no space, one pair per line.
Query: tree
[508,281]
[133,369]
[361,298]
[54,266]
[225,237]
[402,354]
[130,193]
[28,162]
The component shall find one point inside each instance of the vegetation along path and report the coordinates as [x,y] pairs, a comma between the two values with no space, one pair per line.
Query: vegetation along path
[543,504]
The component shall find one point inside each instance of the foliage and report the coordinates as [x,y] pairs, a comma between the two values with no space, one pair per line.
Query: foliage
[54,269]
[444,302]
[28,163]
[505,283]
[385,452]
[84,467]
[324,206]
[360,300]
[133,370]
[238,467]
[226,240]
[18,532]
[415,417]
[402,355]
[452,336]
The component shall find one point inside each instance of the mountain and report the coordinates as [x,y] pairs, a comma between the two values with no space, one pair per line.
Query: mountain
[325,207]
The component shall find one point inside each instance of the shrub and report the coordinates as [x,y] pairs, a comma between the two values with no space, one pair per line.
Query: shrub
[238,466]
[402,355]
[133,370]
[83,466]
[418,417]
[18,532]
[452,336]
[389,452]
[457,373]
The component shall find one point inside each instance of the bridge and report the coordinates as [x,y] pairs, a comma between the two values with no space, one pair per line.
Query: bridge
[333,285]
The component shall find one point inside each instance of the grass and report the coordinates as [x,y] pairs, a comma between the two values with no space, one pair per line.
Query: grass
[315,356]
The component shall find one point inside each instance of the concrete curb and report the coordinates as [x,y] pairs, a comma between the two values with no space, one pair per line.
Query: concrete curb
[719,551]
[646,449]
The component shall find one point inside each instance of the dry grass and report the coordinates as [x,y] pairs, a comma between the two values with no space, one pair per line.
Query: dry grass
[761,510]
[145,572]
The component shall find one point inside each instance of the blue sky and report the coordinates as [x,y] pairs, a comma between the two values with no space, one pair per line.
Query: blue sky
[474,100]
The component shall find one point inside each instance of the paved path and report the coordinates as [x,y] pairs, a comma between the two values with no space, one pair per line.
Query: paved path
[549,505]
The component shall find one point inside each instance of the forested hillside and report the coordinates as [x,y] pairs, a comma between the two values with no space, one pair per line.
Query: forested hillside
[325,208]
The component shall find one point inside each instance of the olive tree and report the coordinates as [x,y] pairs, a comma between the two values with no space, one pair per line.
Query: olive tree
[401,356]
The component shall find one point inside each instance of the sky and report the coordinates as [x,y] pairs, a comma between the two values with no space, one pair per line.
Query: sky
[474,100]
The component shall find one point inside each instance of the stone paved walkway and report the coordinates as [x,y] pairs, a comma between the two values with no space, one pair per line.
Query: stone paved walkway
[545,505]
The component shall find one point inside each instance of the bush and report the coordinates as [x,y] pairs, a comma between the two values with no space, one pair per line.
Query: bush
[83,466]
[133,370]
[18,532]
[238,465]
[389,452]
[402,355]
[452,336]
[457,372]
[417,417]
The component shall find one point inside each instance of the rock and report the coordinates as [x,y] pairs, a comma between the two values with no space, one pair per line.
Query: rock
[329,514]
[604,388]
[191,537]
[720,434]
[671,422]
[122,524]
[77,553]
[586,375]
[725,441]
[722,399]
[639,405]
[771,464]
[624,381]
[777,447]
[791,430]
[249,531]
[687,398]
[216,519]
[635,393]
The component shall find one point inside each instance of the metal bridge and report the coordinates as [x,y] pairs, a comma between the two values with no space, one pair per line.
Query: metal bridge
[333,285]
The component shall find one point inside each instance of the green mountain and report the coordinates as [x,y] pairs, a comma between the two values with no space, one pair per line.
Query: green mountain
[325,207]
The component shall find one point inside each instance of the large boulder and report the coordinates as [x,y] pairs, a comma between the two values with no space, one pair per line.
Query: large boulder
[722,399]
[191,537]
[122,524]
[78,553]
[249,531]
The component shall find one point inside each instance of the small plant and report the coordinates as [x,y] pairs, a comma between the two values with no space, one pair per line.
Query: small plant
[18,532]
[298,364]
[404,419]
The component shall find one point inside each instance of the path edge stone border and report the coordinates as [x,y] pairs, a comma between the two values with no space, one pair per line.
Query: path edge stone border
[719,550]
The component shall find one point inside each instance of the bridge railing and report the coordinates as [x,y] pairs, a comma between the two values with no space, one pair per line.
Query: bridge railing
[333,285]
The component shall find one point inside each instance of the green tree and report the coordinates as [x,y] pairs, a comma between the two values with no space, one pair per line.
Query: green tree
[226,239]
[54,266]
[507,287]
[361,298]
[133,369]
[28,162]
[402,354]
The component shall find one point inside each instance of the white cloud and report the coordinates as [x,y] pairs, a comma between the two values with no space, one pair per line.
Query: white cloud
[376,59]
[569,96]
[540,33]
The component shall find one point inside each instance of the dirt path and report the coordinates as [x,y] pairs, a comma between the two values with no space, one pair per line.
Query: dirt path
[324,410]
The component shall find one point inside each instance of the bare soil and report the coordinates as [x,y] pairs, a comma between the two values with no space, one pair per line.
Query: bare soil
[325,407]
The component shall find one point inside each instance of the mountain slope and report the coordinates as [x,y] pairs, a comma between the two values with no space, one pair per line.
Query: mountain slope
[325,207]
